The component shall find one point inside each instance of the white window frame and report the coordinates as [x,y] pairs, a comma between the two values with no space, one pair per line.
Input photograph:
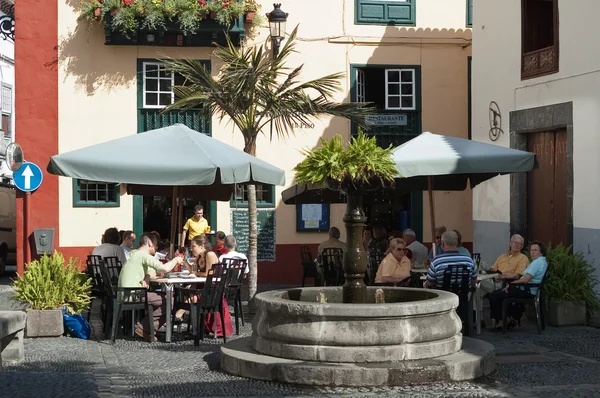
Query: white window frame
[400,95]
[360,86]
[159,65]
[7,111]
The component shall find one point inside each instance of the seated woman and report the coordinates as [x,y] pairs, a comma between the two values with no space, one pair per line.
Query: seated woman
[205,259]
[534,273]
[395,267]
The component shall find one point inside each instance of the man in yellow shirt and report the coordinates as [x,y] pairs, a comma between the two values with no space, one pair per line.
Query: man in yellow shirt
[395,267]
[194,226]
[511,265]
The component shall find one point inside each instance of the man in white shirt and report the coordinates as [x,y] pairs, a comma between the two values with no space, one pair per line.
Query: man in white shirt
[110,246]
[128,242]
[230,244]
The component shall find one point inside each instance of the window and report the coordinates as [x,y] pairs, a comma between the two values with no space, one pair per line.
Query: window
[399,89]
[385,12]
[157,85]
[469,13]
[360,86]
[265,196]
[95,194]
[6,98]
[539,41]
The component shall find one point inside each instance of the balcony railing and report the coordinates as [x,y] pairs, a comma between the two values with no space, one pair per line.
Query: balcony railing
[539,62]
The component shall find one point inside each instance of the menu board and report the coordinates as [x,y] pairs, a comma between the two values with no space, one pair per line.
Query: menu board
[266,232]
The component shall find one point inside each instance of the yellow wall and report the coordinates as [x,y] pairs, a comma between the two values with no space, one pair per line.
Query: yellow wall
[98,98]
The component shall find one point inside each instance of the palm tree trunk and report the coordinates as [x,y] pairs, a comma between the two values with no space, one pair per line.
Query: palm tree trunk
[250,147]
[252,241]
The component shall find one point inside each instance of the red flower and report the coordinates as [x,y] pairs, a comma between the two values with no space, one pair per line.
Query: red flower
[128,2]
[202,3]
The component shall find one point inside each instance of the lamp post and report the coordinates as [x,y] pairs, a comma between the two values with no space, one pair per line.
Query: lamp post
[277,19]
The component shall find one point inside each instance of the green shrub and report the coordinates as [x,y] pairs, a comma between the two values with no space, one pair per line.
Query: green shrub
[571,278]
[49,284]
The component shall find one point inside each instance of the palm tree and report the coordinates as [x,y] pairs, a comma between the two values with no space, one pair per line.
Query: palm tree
[258,92]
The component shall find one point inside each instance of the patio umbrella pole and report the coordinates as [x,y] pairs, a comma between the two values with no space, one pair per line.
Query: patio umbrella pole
[173,220]
[179,217]
[431,212]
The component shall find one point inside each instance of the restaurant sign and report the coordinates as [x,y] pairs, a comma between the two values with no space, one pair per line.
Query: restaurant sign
[386,120]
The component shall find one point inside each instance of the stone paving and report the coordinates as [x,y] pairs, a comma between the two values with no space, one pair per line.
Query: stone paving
[561,362]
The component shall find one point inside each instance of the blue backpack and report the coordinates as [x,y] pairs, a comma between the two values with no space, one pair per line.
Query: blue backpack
[76,325]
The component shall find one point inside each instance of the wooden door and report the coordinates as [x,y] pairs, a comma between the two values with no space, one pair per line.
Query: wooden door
[547,188]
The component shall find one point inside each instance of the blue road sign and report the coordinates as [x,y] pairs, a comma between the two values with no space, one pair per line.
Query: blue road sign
[29,177]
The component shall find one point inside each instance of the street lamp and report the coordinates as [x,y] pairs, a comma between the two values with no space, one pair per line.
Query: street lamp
[277,19]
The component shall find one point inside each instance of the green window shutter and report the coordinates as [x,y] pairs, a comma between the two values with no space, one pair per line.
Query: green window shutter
[382,12]
[469,13]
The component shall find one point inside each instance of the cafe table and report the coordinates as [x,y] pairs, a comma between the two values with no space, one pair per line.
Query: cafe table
[478,303]
[167,284]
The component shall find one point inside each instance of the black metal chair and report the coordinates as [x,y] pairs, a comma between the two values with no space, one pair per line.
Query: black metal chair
[93,271]
[233,291]
[309,268]
[375,258]
[535,299]
[457,279]
[113,265]
[121,299]
[206,301]
[333,274]
[476,260]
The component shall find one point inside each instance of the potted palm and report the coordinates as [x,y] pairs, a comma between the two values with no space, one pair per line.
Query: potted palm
[569,289]
[360,167]
[48,285]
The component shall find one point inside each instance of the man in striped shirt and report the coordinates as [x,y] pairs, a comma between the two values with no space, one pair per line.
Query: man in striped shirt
[450,256]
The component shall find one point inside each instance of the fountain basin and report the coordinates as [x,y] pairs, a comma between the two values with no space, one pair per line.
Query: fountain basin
[411,324]
[414,337]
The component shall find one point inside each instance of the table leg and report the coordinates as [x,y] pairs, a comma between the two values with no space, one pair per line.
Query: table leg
[478,309]
[169,331]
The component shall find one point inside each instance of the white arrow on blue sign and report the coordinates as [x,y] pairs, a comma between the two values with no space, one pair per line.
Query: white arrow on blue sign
[29,177]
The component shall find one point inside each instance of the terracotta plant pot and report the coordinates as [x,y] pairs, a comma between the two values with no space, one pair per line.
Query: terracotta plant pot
[97,13]
[249,17]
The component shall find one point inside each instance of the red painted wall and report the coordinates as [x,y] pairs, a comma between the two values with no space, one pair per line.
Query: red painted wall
[36,108]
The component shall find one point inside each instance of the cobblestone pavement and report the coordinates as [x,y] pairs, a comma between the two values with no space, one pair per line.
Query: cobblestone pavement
[561,362]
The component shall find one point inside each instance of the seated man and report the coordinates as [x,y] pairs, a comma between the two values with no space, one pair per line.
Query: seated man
[333,241]
[395,267]
[110,246]
[449,257]
[134,274]
[509,265]
[230,244]
[417,249]
[438,246]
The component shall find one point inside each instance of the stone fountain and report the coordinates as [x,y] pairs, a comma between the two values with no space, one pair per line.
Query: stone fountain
[309,336]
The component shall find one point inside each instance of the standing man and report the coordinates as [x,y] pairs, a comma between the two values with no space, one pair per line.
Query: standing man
[417,249]
[128,242]
[194,226]
[135,274]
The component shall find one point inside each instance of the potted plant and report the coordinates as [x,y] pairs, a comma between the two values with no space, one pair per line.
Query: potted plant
[251,7]
[48,285]
[569,289]
[92,10]
[225,11]
[362,166]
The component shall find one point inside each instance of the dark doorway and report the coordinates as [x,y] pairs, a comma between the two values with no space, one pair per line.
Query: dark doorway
[547,217]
